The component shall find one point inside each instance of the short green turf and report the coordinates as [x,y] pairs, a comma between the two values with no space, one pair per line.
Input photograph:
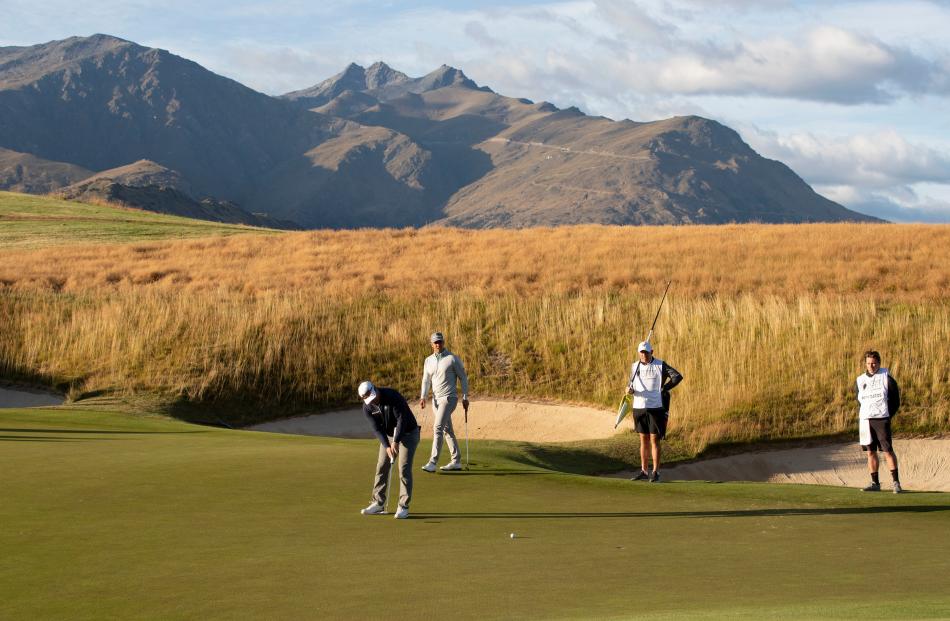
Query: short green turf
[109,515]
[29,221]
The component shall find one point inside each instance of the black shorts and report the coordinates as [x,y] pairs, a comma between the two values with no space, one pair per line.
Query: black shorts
[880,435]
[651,420]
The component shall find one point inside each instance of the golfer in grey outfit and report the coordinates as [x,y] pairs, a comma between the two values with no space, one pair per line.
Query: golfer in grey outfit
[440,372]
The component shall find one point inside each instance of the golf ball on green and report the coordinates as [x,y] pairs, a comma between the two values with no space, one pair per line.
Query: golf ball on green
[512,535]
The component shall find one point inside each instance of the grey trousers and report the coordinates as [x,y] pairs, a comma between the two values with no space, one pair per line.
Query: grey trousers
[407,450]
[442,426]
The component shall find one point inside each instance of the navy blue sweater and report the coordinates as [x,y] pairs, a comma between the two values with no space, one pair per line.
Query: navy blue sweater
[390,415]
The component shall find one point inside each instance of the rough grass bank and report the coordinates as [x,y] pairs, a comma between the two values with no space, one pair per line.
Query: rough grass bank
[756,368]
[766,322]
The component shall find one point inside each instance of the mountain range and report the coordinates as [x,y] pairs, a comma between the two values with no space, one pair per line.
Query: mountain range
[101,117]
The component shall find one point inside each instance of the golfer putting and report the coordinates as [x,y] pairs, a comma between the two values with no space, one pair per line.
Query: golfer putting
[879,398]
[440,373]
[398,433]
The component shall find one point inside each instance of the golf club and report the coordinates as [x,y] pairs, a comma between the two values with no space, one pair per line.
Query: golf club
[389,483]
[466,437]
[625,402]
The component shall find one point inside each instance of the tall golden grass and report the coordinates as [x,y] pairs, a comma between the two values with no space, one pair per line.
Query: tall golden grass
[756,367]
[904,263]
[767,323]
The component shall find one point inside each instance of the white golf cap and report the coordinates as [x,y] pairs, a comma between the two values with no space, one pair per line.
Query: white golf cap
[366,391]
[436,337]
[645,346]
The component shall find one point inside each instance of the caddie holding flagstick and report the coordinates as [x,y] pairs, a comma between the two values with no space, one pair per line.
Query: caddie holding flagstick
[648,395]
[651,381]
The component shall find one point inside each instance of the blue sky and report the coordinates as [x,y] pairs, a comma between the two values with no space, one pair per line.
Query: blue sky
[852,95]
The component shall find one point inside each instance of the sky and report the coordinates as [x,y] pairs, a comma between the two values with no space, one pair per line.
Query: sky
[853,96]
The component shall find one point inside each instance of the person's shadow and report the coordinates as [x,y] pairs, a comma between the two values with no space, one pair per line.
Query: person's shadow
[504,515]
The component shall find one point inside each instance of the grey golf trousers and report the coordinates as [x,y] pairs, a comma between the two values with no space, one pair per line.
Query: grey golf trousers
[407,449]
[442,426]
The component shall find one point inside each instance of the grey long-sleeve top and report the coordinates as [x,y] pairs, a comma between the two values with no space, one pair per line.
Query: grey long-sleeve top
[440,372]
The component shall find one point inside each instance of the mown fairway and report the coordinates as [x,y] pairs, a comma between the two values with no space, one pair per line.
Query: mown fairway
[30,221]
[119,516]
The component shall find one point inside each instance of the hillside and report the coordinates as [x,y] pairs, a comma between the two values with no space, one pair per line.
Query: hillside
[28,221]
[534,165]
[147,185]
[22,172]
[103,103]
[369,147]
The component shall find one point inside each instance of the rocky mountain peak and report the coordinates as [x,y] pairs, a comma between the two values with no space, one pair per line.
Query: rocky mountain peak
[380,74]
[446,76]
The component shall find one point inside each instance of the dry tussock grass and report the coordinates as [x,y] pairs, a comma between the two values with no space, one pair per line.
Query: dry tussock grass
[755,367]
[767,323]
[895,262]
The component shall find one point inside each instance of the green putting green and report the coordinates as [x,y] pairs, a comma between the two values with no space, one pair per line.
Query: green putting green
[109,515]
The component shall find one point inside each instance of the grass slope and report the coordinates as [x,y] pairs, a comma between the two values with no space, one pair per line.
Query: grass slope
[30,221]
[112,516]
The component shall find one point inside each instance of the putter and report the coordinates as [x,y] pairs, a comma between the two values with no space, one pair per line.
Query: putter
[466,438]
[389,483]
[622,410]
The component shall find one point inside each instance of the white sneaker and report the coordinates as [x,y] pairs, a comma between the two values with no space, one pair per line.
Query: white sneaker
[373,509]
[897,487]
[429,467]
[452,465]
[402,514]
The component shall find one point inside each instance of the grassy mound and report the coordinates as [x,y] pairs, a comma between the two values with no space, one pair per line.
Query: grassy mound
[118,516]
[30,221]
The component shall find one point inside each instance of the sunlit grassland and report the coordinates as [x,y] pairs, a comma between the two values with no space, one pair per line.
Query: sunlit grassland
[31,221]
[755,368]
[767,323]
[901,263]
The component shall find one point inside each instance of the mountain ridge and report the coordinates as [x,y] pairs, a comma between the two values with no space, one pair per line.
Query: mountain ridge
[373,146]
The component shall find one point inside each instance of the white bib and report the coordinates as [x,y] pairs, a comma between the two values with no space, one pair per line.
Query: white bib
[872,394]
[647,384]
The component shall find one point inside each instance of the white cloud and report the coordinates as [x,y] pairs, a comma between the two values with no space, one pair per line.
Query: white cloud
[875,160]
[631,22]
[279,68]
[900,205]
[879,173]
[479,33]
[821,64]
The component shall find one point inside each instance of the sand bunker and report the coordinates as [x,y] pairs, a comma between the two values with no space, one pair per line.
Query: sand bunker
[487,420]
[924,465]
[27,398]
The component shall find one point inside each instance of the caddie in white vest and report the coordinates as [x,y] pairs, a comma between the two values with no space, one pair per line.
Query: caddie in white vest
[651,380]
[879,398]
